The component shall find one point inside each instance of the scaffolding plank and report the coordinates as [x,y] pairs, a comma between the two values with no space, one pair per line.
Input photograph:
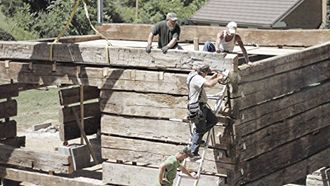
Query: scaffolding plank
[18,141]
[71,95]
[8,129]
[8,90]
[8,108]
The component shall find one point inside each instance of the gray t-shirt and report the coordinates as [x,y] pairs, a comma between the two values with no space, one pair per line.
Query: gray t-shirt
[195,87]
[165,34]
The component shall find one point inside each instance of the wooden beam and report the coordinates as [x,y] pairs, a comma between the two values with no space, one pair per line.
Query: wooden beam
[46,179]
[18,141]
[72,39]
[69,130]
[124,57]
[8,90]
[72,95]
[125,31]
[91,109]
[153,153]
[151,129]
[120,174]
[288,154]
[35,160]
[141,104]
[278,110]
[8,109]
[8,129]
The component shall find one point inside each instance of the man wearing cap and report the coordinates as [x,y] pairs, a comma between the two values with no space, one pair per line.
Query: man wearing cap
[199,112]
[168,169]
[226,41]
[168,32]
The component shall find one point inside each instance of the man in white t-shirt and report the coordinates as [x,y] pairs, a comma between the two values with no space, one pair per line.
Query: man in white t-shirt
[199,112]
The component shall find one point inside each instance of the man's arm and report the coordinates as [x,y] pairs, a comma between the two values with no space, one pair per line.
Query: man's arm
[161,173]
[213,80]
[184,170]
[217,42]
[241,45]
[150,38]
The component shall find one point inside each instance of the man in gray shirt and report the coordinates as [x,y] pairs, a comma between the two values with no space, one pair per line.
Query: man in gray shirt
[199,112]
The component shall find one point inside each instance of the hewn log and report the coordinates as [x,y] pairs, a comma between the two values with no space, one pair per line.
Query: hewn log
[72,39]
[257,92]
[70,130]
[71,95]
[8,129]
[140,104]
[140,32]
[153,153]
[8,109]
[46,179]
[152,129]
[125,57]
[120,174]
[288,154]
[267,139]
[8,90]
[273,111]
[35,160]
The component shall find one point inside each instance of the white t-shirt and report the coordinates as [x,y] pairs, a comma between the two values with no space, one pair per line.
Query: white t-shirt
[227,46]
[195,87]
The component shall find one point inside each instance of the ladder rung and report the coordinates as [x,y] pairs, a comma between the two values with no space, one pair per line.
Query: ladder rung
[182,175]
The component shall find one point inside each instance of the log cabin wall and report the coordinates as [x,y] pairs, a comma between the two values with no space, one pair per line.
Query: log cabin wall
[283,117]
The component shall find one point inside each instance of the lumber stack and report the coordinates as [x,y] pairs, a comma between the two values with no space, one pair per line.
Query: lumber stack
[283,117]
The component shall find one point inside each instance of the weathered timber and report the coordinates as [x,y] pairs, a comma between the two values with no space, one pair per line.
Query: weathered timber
[8,129]
[46,179]
[153,153]
[257,92]
[261,37]
[276,65]
[72,39]
[35,160]
[120,174]
[70,130]
[143,104]
[8,90]
[8,109]
[278,109]
[298,170]
[71,95]
[90,109]
[18,141]
[288,154]
[285,131]
[125,57]
[152,129]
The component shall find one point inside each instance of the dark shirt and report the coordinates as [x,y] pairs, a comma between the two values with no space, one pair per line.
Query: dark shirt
[165,34]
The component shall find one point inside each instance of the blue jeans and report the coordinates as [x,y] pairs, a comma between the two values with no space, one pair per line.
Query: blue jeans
[203,122]
[209,47]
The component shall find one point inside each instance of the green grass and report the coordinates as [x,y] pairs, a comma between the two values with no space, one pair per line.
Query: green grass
[19,34]
[37,106]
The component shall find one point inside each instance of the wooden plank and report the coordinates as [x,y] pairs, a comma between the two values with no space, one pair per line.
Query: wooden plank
[46,179]
[296,171]
[72,39]
[257,92]
[18,141]
[273,111]
[146,128]
[269,138]
[288,154]
[276,65]
[8,90]
[153,153]
[139,32]
[71,95]
[143,104]
[90,109]
[120,174]
[125,57]
[8,109]
[70,130]
[8,129]
[35,160]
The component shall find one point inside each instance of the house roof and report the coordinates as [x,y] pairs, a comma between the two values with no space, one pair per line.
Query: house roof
[262,13]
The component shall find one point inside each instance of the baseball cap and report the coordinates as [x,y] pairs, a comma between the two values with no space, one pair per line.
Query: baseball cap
[232,27]
[172,16]
[204,68]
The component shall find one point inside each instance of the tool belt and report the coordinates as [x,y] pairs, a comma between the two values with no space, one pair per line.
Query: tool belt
[194,109]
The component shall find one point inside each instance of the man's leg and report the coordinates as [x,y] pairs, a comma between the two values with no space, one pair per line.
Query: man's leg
[211,118]
[199,131]
[209,47]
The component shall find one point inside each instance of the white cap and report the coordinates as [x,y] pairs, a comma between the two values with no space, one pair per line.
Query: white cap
[232,27]
[172,16]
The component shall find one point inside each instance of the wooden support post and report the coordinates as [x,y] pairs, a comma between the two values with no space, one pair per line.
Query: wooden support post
[196,43]
[83,134]
[82,112]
